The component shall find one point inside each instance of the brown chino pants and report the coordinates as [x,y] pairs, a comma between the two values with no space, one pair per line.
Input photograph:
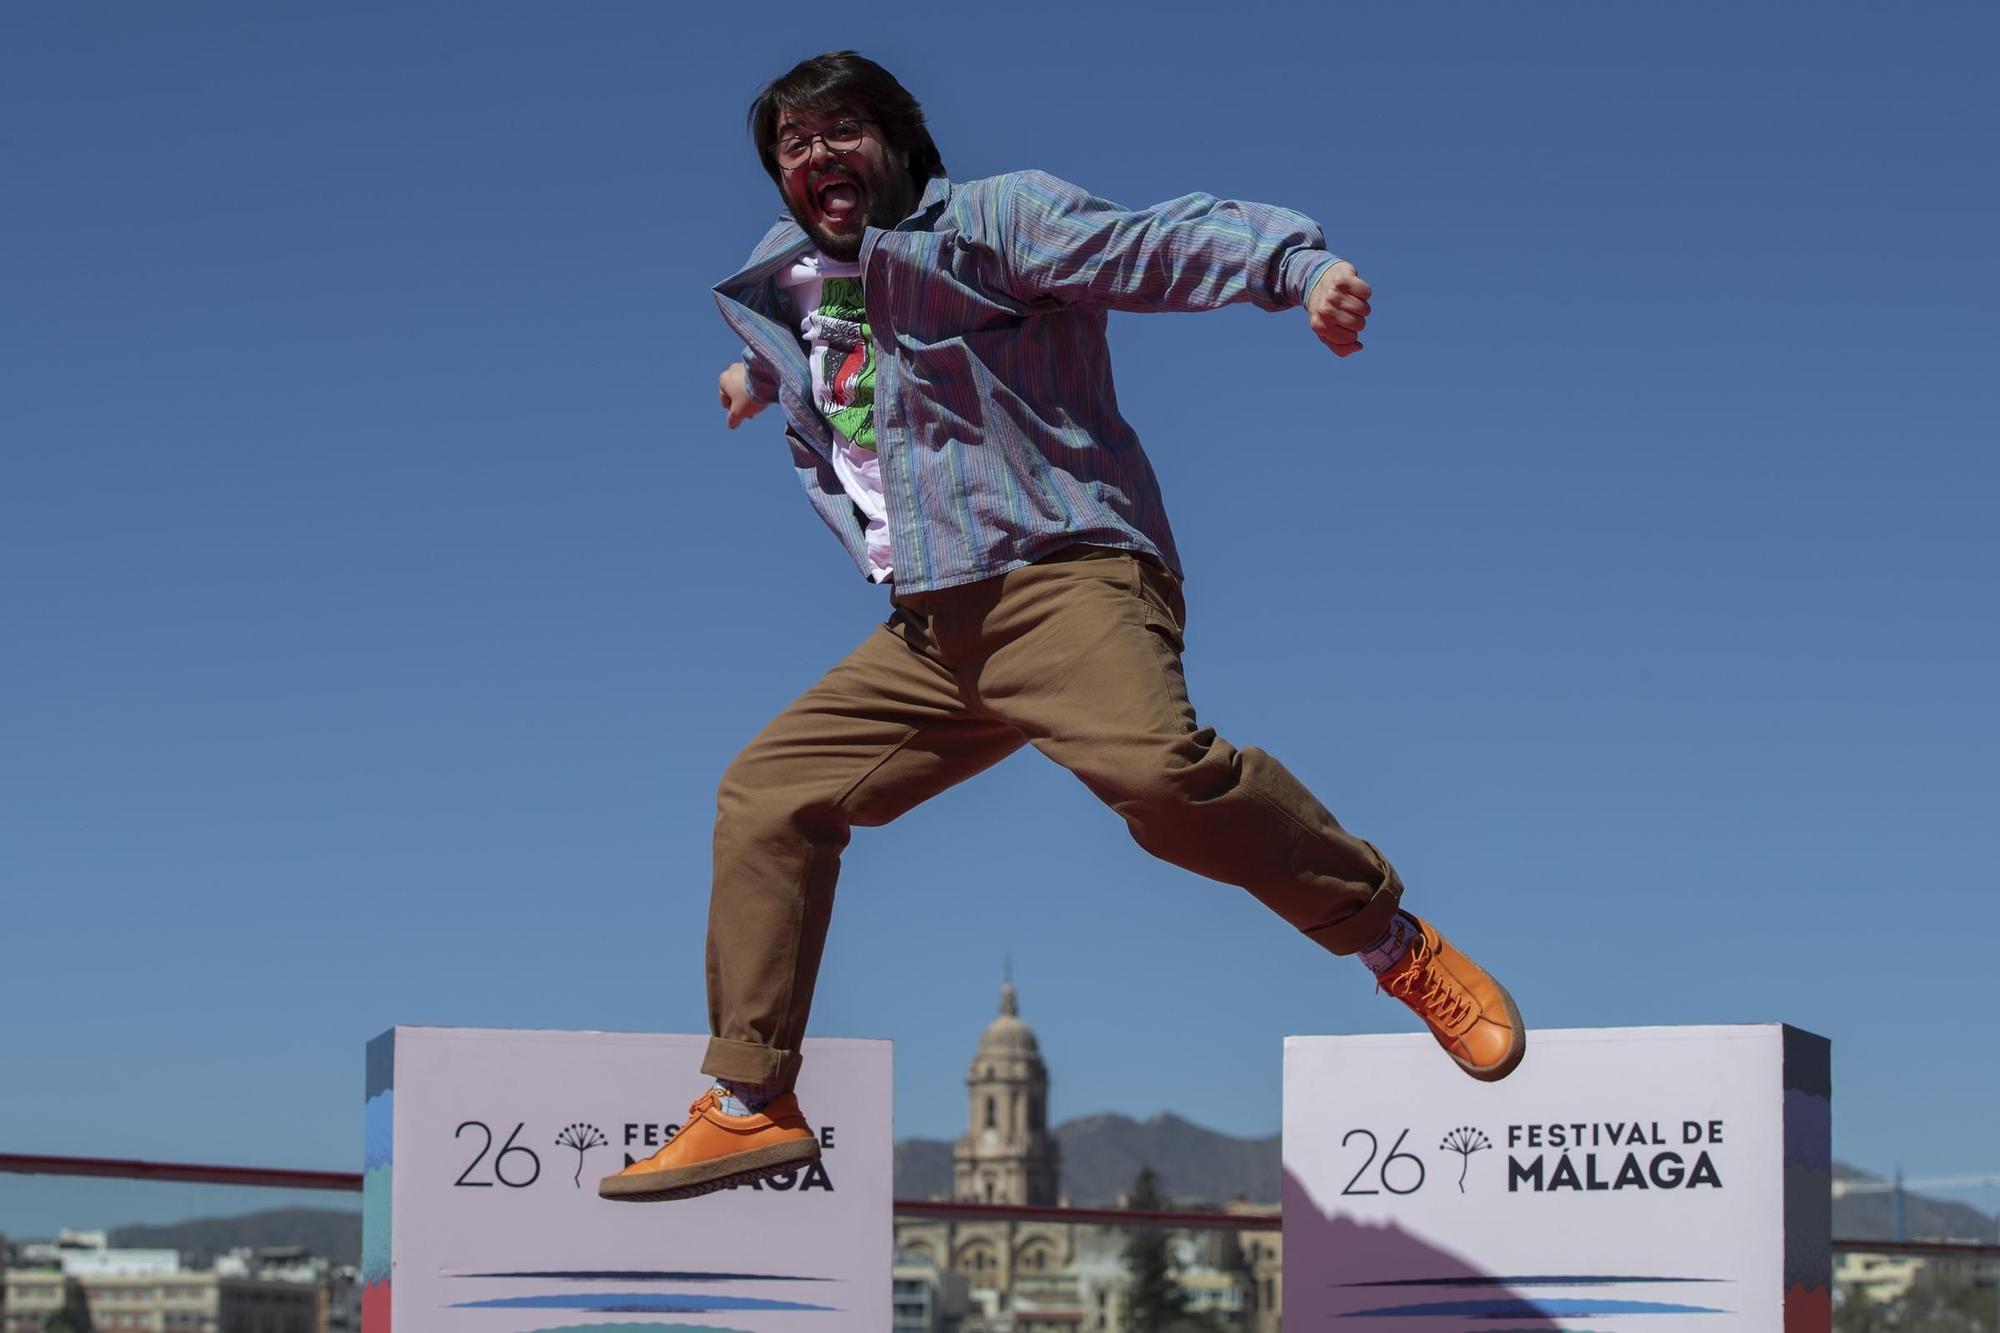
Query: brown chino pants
[1078,655]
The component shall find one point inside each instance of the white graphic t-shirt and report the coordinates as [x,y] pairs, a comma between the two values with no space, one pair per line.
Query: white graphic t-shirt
[834,324]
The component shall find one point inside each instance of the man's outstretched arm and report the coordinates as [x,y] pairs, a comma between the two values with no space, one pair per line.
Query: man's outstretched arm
[1064,246]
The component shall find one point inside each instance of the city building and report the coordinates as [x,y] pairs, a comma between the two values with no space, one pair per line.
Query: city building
[1886,1279]
[1264,1265]
[1883,1278]
[162,1303]
[120,1263]
[108,1290]
[340,1284]
[925,1298]
[1048,1277]
[1007,1156]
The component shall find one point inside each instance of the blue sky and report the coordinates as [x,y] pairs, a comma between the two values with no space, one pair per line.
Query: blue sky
[383,597]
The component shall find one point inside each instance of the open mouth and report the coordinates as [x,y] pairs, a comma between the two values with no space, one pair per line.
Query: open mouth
[839,198]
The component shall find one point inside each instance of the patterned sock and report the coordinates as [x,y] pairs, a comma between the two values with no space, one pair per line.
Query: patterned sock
[1390,946]
[745,1098]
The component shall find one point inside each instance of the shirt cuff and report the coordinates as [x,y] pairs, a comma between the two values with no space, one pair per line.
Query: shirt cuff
[1302,270]
[762,385]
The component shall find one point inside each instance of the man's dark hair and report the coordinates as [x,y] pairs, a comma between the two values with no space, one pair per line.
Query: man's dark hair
[845,81]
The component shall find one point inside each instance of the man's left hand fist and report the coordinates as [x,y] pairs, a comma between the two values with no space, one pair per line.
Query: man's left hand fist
[1338,307]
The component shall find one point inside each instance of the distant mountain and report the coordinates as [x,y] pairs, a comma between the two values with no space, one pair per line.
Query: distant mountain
[329,1232]
[922,1169]
[1102,1154]
[1872,1216]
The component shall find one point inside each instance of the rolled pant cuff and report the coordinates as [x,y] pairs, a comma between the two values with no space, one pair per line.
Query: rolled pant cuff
[1351,934]
[747,1062]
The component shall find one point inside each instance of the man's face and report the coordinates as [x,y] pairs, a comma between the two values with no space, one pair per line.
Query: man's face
[834,195]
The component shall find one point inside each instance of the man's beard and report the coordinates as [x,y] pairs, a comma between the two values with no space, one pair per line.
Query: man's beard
[846,249]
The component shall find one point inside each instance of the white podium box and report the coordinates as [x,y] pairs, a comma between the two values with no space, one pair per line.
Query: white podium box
[1622,1179]
[480,1207]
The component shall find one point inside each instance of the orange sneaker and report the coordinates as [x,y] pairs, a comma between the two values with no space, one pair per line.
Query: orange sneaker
[1472,1015]
[713,1151]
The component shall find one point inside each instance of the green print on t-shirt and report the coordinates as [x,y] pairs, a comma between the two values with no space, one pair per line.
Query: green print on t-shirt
[847,363]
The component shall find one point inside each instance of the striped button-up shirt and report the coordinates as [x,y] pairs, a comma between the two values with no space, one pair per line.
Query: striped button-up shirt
[996,423]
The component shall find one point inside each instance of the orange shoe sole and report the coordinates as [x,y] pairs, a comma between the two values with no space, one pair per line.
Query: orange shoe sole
[1514,1057]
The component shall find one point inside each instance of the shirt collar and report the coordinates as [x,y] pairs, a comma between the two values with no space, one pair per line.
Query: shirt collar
[936,190]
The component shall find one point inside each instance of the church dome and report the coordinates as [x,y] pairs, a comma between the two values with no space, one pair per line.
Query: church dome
[1007,1034]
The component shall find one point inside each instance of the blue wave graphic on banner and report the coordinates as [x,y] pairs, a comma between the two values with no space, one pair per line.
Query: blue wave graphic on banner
[377,1194]
[1552,1308]
[639,1302]
[641,1275]
[681,1328]
[1531,1280]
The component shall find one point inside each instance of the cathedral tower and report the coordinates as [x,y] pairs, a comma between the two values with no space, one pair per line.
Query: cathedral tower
[1007,1154]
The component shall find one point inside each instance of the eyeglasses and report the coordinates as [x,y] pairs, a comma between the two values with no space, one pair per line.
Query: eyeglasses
[840,138]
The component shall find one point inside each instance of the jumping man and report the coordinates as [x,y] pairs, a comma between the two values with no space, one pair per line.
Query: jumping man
[938,351]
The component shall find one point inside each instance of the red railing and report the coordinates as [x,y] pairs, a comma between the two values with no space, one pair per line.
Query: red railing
[114,1168]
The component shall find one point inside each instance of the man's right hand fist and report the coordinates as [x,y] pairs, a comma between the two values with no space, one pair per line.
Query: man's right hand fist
[1339,307]
[736,399]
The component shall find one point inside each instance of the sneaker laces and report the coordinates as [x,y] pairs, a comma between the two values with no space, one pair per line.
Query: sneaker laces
[1430,990]
[707,1098]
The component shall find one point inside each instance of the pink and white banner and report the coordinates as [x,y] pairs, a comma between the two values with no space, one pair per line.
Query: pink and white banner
[480,1206]
[1621,1180]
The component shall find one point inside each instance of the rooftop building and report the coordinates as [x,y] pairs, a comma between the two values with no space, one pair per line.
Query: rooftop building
[171,1302]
